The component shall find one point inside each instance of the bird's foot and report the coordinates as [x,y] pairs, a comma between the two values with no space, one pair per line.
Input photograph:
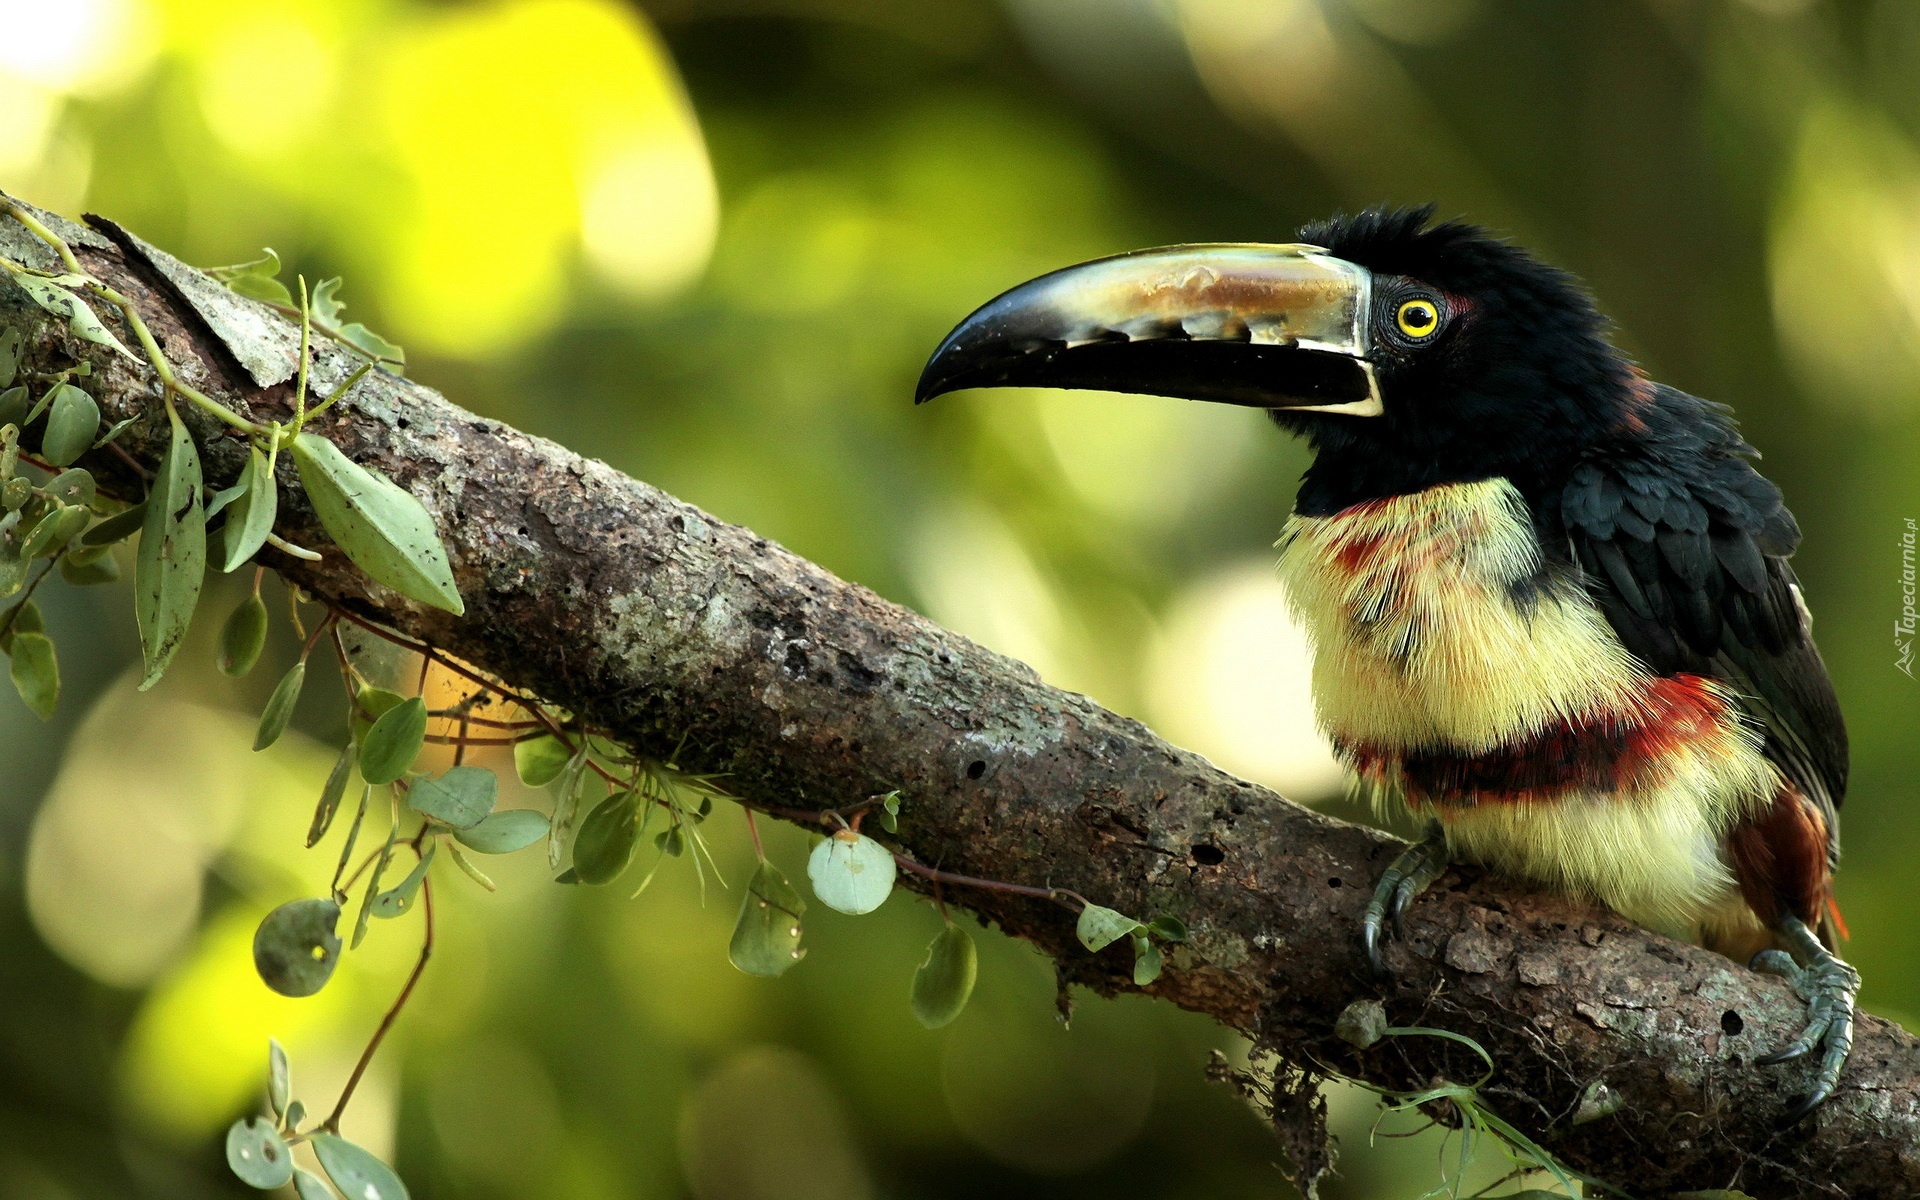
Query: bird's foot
[1829,986]
[1408,875]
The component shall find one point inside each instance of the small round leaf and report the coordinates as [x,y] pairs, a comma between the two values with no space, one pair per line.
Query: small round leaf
[369,705]
[243,637]
[279,1077]
[309,1186]
[540,760]
[36,672]
[1100,927]
[766,937]
[279,709]
[1146,960]
[394,742]
[258,1154]
[851,873]
[89,565]
[358,1174]
[72,423]
[945,980]
[504,832]
[461,798]
[295,949]
[604,845]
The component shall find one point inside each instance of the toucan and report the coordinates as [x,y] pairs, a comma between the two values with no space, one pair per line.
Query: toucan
[1549,599]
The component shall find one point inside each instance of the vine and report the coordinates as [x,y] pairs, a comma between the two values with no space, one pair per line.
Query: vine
[605,801]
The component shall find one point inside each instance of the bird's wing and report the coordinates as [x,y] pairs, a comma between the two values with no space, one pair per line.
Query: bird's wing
[1684,547]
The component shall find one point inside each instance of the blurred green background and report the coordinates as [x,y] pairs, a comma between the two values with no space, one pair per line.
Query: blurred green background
[711,241]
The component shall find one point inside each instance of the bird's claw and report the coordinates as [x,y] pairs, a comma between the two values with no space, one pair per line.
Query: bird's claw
[1830,987]
[1405,878]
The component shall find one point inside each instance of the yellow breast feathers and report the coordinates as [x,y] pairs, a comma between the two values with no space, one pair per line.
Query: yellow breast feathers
[1454,672]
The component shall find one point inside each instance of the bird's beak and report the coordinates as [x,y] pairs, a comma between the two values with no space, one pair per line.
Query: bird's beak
[1264,326]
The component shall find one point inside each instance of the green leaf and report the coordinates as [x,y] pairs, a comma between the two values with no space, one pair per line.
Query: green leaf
[13,568]
[262,287]
[36,672]
[331,794]
[89,565]
[258,1154]
[565,791]
[1146,960]
[173,553]
[81,318]
[279,709]
[10,343]
[369,705]
[253,511]
[52,532]
[14,402]
[373,886]
[607,837]
[851,873]
[1100,927]
[353,834]
[1168,929]
[295,949]
[244,636]
[399,898]
[539,760]
[256,279]
[373,345]
[944,981]
[504,832]
[394,742]
[465,864]
[115,430]
[358,1174]
[296,1113]
[383,529]
[766,937]
[217,503]
[118,527]
[461,798]
[27,618]
[890,812]
[71,426]
[278,1077]
[72,486]
[325,303]
[308,1186]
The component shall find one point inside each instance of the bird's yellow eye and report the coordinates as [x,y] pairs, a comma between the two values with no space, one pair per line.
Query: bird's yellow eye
[1418,319]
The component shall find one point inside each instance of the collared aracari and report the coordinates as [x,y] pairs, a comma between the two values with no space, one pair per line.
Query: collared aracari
[1549,599]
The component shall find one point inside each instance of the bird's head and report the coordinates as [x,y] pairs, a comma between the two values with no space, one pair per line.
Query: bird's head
[1408,353]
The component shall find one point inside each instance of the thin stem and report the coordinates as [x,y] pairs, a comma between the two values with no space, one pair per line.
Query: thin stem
[7,619]
[338,392]
[1072,901]
[759,851]
[313,639]
[288,548]
[306,342]
[332,1123]
[48,236]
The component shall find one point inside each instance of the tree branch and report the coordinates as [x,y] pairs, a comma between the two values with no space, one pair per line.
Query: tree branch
[658,622]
